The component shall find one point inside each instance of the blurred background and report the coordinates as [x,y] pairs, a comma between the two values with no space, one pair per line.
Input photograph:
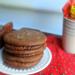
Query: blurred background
[45,15]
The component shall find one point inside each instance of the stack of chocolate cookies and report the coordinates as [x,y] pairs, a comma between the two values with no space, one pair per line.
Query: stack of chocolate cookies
[23,48]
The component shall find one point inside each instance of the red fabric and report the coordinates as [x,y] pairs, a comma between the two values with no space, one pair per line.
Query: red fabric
[62,63]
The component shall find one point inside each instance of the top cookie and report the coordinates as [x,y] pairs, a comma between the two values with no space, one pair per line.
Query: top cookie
[25,37]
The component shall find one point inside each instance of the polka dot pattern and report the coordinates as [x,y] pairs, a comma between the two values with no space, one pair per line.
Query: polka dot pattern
[62,63]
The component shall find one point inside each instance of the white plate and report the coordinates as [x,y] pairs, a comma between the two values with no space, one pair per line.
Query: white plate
[44,62]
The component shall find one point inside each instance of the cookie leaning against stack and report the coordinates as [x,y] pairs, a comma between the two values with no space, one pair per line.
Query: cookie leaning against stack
[23,48]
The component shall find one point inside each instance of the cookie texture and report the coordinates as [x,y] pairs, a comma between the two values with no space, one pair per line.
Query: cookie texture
[25,37]
[24,48]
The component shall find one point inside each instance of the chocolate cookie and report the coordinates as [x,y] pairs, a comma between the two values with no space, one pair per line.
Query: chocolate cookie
[15,58]
[25,37]
[22,48]
[19,65]
[25,52]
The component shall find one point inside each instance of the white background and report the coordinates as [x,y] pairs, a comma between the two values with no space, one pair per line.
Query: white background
[16,11]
